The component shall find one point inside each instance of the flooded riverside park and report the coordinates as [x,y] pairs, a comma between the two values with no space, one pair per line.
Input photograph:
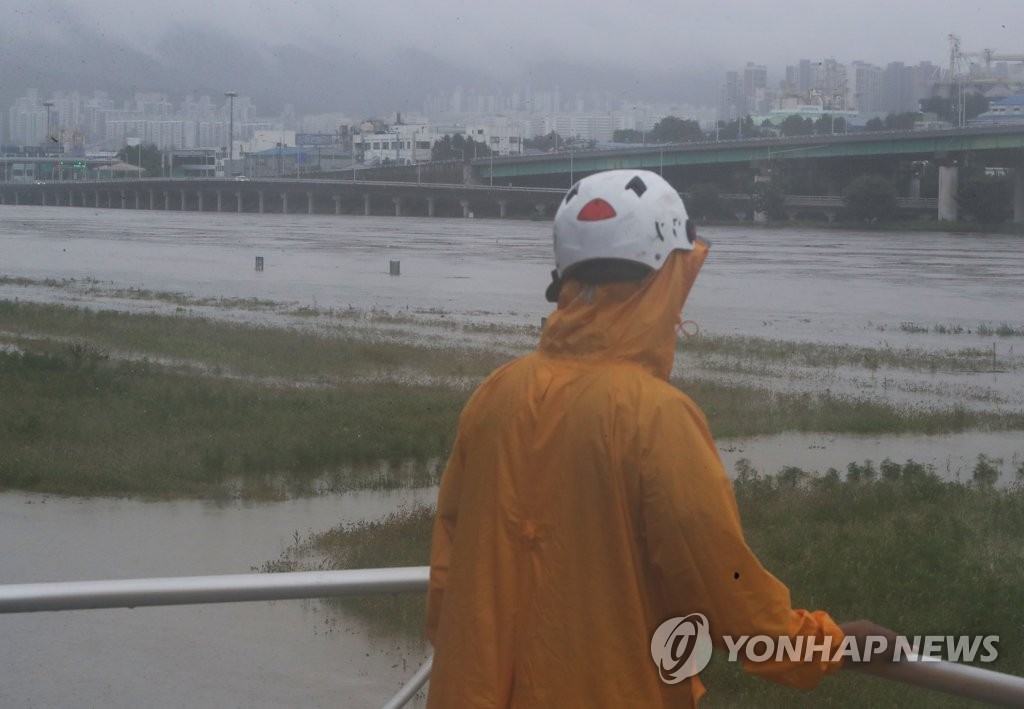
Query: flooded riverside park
[919,321]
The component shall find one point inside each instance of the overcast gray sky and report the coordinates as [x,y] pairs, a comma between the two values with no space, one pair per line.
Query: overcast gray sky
[508,34]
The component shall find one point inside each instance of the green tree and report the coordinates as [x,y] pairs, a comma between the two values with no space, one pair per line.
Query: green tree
[738,129]
[703,201]
[458,147]
[829,124]
[796,125]
[672,129]
[628,135]
[986,198]
[769,199]
[870,198]
[901,121]
[152,158]
[875,124]
[546,143]
[974,104]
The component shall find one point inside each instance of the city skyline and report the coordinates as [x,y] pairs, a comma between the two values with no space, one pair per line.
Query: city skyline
[370,59]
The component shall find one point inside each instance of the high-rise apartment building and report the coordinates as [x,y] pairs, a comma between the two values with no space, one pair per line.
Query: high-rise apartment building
[868,87]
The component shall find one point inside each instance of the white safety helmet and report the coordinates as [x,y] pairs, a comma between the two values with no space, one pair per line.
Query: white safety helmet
[626,215]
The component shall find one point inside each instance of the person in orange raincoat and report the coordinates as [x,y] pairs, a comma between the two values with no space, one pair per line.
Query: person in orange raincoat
[584,502]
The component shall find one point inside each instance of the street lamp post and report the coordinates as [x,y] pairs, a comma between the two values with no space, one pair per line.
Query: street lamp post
[49,105]
[231,128]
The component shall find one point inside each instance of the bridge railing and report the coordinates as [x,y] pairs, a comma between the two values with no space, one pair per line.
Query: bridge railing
[951,678]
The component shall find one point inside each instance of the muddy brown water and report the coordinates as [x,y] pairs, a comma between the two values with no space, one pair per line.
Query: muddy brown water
[853,288]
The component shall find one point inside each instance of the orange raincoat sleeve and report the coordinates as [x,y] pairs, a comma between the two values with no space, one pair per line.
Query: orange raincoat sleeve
[698,551]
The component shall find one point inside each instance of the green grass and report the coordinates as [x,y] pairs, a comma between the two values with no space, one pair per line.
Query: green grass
[242,348]
[102,403]
[811,354]
[900,547]
[78,423]
[738,410]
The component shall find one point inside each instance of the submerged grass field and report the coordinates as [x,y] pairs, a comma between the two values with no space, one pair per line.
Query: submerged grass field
[894,544]
[110,403]
[177,405]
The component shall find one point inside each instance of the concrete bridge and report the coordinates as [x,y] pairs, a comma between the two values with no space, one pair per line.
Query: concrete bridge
[291,196]
[826,155]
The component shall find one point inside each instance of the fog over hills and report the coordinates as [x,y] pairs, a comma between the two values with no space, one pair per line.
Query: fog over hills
[314,76]
[359,57]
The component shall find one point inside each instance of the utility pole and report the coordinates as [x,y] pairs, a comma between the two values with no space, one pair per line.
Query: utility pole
[231,127]
[49,105]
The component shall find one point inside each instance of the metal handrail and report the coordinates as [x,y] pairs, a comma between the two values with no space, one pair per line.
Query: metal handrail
[953,678]
[949,677]
[184,590]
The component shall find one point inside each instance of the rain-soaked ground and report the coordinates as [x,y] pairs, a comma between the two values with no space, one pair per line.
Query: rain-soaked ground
[865,289]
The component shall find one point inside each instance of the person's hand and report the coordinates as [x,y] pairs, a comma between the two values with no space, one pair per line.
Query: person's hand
[867,635]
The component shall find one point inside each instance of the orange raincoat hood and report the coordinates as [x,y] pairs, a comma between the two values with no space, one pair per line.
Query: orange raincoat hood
[633,321]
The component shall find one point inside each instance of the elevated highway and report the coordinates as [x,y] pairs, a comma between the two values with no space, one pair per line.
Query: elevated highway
[531,186]
[995,146]
[853,154]
[290,196]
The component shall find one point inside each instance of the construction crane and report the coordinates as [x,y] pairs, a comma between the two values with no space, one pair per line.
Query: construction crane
[964,71]
[957,63]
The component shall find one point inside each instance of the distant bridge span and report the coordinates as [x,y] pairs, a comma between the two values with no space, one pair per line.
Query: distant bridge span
[290,196]
[1001,146]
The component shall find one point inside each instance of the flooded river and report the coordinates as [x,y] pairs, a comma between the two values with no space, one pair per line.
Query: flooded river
[847,288]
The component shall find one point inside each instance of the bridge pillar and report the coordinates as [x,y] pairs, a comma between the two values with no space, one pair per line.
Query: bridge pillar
[366,205]
[914,189]
[152,199]
[42,196]
[430,206]
[17,199]
[199,200]
[124,199]
[167,201]
[284,203]
[220,200]
[309,203]
[337,204]
[3,198]
[398,205]
[502,208]
[137,199]
[1018,196]
[261,201]
[238,201]
[949,178]
[182,200]
[464,203]
[96,198]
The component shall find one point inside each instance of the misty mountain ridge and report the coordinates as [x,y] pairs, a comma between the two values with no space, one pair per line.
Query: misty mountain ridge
[314,77]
